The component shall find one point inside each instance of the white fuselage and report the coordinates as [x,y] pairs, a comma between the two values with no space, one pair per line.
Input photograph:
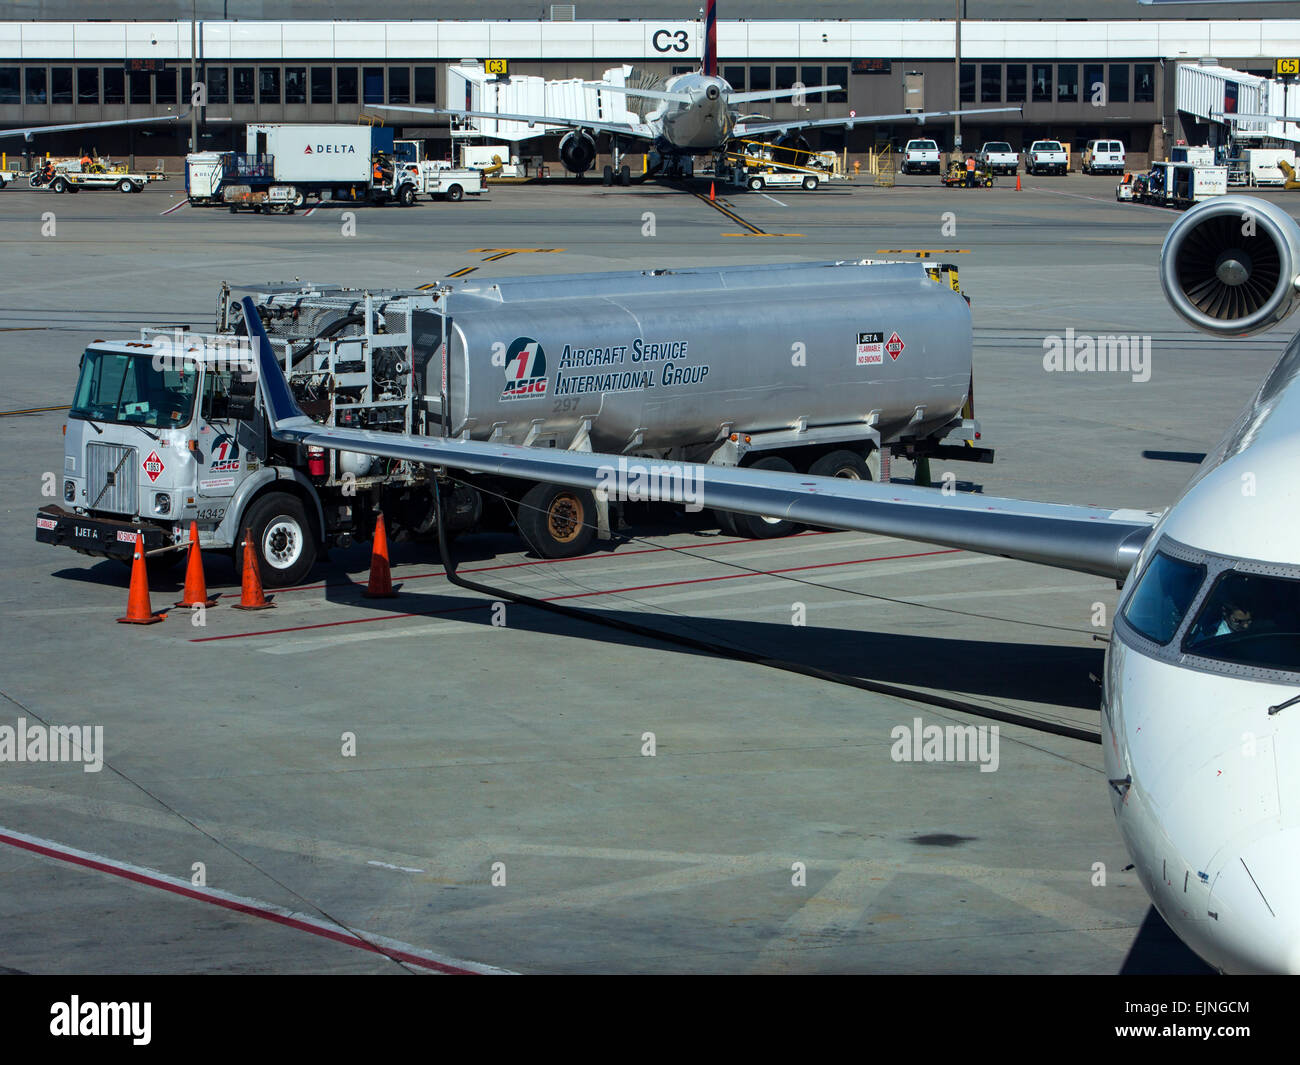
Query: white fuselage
[704,124]
[1211,809]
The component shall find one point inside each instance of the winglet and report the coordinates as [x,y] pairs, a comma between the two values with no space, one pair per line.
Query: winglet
[275,388]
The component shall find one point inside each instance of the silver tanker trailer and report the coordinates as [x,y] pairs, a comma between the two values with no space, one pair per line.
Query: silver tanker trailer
[823,368]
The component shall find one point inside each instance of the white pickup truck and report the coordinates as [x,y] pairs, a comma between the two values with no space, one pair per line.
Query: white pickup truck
[446,183]
[921,157]
[1046,157]
[998,157]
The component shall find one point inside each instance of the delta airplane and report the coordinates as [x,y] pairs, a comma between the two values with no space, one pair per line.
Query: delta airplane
[696,115]
[1201,734]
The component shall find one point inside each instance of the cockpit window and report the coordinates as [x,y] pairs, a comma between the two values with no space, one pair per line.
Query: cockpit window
[1161,599]
[1249,619]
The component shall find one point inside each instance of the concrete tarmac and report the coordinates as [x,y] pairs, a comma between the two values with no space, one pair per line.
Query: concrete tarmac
[441,783]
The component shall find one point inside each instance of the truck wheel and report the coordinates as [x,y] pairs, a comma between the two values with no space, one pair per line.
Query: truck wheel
[842,463]
[283,537]
[758,528]
[407,196]
[726,522]
[299,197]
[557,522]
[810,183]
[455,194]
[124,186]
[58,185]
[756,183]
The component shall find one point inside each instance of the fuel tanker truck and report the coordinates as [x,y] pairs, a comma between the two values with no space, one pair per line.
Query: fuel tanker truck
[825,368]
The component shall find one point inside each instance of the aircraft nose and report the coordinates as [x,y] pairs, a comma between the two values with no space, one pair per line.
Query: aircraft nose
[712,92]
[1257,906]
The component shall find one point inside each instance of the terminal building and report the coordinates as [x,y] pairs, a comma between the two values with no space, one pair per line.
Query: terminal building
[1075,80]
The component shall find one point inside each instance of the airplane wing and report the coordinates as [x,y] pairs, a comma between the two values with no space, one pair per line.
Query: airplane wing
[30,131]
[1085,539]
[747,128]
[549,122]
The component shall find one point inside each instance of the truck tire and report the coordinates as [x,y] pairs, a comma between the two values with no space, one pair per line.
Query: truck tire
[841,463]
[299,197]
[557,522]
[758,528]
[455,194]
[810,183]
[283,538]
[726,522]
[124,186]
[58,185]
[756,184]
[407,196]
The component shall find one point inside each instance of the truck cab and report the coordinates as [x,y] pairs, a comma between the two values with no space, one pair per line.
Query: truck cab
[163,432]
[921,156]
[1046,157]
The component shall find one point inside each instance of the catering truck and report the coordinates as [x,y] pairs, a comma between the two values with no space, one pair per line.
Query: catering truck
[817,368]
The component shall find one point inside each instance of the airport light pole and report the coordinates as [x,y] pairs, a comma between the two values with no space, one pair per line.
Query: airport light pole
[194,52]
[956,81]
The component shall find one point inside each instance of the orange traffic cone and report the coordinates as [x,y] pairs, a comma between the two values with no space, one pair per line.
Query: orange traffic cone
[138,610]
[711,192]
[196,588]
[250,594]
[380,585]
[1017,180]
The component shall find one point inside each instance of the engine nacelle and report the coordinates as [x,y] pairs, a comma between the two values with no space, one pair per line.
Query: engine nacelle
[578,151]
[1230,265]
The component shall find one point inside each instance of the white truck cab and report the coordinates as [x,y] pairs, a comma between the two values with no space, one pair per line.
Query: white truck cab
[921,156]
[1046,157]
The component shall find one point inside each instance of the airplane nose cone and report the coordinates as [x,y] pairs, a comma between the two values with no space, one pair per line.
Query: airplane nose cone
[1257,905]
[712,92]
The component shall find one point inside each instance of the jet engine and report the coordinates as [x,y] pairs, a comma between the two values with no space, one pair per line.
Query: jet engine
[578,151]
[1230,265]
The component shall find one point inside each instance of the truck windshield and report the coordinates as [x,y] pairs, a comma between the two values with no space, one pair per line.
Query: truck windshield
[1249,619]
[130,389]
[1162,597]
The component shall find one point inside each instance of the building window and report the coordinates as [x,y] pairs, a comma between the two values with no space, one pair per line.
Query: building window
[165,87]
[812,77]
[1067,82]
[399,85]
[786,77]
[735,77]
[347,84]
[35,85]
[141,87]
[218,82]
[1119,83]
[373,78]
[243,85]
[968,83]
[295,85]
[322,85]
[760,79]
[268,85]
[114,85]
[838,76]
[1042,83]
[426,85]
[61,85]
[990,83]
[1016,83]
[10,82]
[1094,83]
[1144,83]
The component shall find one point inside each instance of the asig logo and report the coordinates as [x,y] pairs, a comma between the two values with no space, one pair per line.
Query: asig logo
[525,370]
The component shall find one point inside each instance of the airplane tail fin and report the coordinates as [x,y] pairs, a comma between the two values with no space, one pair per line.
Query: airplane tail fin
[710,64]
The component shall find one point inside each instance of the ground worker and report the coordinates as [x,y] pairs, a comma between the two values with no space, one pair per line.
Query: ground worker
[86,160]
[970,171]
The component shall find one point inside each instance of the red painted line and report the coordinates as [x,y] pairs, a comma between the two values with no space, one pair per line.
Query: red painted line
[175,207]
[576,595]
[228,902]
